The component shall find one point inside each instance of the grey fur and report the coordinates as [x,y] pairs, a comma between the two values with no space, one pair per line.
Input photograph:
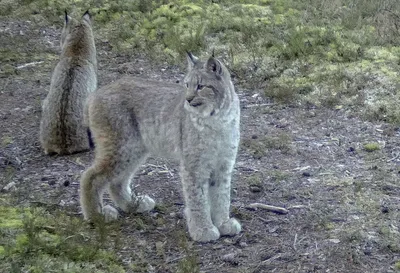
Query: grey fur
[133,118]
[61,128]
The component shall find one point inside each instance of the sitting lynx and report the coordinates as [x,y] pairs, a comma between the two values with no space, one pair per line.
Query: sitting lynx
[132,119]
[61,129]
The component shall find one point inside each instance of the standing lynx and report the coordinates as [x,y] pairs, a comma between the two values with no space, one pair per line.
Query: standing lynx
[132,119]
[61,129]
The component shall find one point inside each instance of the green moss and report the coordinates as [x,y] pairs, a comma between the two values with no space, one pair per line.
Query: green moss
[254,180]
[397,265]
[371,147]
[10,217]
[35,240]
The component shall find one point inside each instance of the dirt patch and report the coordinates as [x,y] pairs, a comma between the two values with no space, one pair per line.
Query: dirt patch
[343,199]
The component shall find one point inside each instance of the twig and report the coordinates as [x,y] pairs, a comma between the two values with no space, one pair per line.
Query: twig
[170,173]
[168,261]
[295,241]
[268,207]
[301,168]
[246,169]
[259,105]
[77,162]
[164,169]
[28,64]
[394,158]
[43,204]
[297,207]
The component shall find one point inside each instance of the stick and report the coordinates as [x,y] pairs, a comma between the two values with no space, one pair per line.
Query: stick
[297,207]
[268,207]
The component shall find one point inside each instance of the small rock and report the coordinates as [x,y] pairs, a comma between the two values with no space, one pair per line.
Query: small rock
[27,109]
[243,244]
[9,187]
[351,149]
[66,183]
[255,188]
[273,229]
[230,258]
[306,174]
[384,209]
[254,137]
[335,241]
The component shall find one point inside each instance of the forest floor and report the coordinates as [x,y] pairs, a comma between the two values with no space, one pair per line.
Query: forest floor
[337,174]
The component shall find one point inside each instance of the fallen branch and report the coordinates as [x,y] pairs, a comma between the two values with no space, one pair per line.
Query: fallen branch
[297,207]
[275,209]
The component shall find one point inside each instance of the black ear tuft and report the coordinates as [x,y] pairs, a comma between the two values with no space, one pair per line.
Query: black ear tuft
[191,57]
[86,16]
[213,52]
[66,16]
[192,60]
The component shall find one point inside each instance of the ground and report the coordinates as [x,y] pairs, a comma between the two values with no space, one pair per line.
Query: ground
[336,173]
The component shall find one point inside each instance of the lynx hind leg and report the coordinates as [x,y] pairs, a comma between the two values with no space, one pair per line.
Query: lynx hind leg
[92,186]
[120,189]
[220,200]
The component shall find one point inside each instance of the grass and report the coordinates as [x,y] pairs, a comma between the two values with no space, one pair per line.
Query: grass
[259,147]
[34,240]
[328,54]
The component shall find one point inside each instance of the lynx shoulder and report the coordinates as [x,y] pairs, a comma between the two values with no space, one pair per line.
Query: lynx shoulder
[62,130]
[198,125]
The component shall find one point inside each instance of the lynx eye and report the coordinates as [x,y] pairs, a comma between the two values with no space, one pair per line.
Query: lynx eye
[199,87]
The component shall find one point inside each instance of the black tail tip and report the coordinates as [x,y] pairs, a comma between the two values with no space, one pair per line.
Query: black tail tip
[91,143]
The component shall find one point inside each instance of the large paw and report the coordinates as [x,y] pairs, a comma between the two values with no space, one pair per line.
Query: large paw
[110,213]
[204,234]
[230,227]
[144,203]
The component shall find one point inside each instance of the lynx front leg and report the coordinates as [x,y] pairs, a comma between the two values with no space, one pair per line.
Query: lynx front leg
[197,211]
[220,200]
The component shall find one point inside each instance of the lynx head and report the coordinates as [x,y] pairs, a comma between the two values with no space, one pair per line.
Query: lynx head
[209,88]
[77,34]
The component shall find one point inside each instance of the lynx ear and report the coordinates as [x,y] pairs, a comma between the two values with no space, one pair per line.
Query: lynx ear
[192,60]
[86,16]
[215,66]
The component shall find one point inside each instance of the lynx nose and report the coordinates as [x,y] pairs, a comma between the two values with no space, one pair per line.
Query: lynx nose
[189,99]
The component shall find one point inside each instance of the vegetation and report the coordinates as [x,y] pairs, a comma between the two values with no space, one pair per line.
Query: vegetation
[370,147]
[328,53]
[33,240]
[324,53]
[259,147]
